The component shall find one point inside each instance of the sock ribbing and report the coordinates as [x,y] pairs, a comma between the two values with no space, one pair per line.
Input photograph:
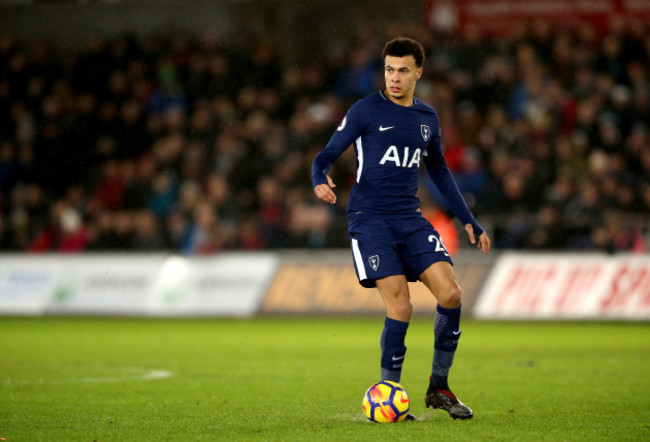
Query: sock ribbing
[393,349]
[446,333]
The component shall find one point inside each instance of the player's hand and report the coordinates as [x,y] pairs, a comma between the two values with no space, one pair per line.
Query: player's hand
[483,240]
[324,191]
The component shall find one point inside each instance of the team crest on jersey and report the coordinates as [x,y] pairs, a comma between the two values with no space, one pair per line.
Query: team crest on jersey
[374,262]
[426,132]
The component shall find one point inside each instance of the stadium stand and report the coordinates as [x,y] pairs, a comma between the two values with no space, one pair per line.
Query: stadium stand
[192,144]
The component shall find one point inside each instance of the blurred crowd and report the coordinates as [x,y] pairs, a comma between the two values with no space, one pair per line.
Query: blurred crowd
[195,144]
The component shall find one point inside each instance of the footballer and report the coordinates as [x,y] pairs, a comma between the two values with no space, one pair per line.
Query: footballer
[392,243]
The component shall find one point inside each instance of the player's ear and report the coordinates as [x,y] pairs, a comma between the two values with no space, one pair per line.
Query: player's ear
[419,72]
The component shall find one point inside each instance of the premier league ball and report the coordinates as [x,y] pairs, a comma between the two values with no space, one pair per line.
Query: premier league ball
[386,401]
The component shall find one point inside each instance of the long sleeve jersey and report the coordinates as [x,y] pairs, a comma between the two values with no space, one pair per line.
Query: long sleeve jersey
[390,142]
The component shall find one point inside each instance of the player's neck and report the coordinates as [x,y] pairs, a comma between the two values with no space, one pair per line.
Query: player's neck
[405,101]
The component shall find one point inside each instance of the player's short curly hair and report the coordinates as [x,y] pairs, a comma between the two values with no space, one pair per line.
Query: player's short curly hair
[403,46]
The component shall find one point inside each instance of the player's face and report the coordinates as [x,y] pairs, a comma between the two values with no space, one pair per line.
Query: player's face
[401,75]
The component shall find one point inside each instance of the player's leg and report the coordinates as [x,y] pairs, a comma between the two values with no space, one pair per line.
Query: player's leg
[441,281]
[395,293]
[397,299]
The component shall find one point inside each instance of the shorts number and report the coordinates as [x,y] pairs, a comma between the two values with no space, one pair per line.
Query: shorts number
[440,246]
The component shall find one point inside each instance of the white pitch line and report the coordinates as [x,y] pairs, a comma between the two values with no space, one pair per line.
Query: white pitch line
[148,375]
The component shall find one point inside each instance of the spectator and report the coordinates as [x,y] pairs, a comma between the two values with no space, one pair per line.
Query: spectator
[194,143]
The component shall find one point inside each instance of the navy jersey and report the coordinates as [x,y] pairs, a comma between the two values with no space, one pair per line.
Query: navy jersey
[391,141]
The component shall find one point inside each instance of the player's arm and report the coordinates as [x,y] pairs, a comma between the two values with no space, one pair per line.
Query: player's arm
[444,181]
[348,131]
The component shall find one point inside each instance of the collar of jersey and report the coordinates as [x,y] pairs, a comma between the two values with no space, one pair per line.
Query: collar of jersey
[381,92]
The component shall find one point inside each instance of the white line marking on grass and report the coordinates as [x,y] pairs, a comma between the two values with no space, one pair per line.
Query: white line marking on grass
[148,376]
[144,375]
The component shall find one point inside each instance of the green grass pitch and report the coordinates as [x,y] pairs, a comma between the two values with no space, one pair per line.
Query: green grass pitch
[303,379]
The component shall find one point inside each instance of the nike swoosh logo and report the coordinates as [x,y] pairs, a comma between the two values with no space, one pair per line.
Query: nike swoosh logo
[455,333]
[382,128]
[398,358]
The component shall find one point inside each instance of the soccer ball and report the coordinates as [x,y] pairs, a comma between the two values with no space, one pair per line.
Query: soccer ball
[386,401]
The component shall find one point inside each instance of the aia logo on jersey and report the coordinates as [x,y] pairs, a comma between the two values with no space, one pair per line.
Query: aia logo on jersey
[403,158]
[425,131]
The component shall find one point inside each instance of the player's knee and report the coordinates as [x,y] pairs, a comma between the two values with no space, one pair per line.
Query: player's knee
[450,296]
[401,310]
[406,308]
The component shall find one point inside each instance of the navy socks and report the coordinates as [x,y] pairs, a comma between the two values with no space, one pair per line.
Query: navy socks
[446,332]
[393,349]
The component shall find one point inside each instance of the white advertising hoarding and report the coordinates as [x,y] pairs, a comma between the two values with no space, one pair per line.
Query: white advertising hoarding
[27,284]
[230,284]
[567,286]
[105,284]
